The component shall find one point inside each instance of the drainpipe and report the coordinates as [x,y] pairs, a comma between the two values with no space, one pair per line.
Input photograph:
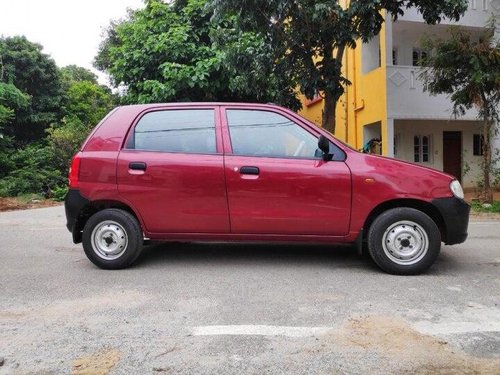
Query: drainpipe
[495,141]
[346,103]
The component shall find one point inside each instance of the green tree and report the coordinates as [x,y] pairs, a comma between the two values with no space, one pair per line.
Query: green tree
[88,102]
[11,100]
[75,73]
[468,70]
[36,75]
[32,172]
[308,37]
[176,52]
[85,103]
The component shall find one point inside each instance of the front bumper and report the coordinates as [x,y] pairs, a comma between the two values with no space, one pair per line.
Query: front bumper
[455,213]
[73,205]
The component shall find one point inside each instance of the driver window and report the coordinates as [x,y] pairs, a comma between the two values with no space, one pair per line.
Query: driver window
[269,134]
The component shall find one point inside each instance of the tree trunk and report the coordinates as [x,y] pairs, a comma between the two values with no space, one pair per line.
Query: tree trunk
[487,192]
[328,120]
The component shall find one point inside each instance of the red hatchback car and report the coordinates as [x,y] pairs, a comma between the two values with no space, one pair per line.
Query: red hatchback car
[251,172]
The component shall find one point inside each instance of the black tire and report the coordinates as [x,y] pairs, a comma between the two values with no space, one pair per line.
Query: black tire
[404,241]
[112,239]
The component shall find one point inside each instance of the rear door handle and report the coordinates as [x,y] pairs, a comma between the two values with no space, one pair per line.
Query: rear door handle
[249,170]
[137,166]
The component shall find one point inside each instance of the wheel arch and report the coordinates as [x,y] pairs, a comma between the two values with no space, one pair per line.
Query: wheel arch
[428,208]
[92,208]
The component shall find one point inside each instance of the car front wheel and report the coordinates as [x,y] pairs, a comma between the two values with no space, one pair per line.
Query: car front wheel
[112,239]
[404,241]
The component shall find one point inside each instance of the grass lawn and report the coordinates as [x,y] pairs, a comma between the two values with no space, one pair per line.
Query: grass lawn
[489,208]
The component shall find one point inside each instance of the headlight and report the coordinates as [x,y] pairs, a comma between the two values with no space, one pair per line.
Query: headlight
[456,189]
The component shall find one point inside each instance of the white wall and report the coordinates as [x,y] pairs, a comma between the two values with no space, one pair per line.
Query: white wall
[408,35]
[405,95]
[472,17]
[405,130]
[406,98]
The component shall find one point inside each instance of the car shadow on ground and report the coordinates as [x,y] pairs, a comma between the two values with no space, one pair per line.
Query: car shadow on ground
[311,255]
[338,256]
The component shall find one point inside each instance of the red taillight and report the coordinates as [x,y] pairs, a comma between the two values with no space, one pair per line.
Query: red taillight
[74,172]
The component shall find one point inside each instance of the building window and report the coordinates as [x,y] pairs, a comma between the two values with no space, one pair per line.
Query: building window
[478,142]
[396,145]
[422,148]
[418,57]
[394,57]
[485,4]
[473,4]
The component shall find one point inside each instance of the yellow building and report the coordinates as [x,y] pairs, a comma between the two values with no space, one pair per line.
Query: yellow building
[386,100]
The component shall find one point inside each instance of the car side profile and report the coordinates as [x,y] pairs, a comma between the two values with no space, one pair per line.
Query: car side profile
[251,172]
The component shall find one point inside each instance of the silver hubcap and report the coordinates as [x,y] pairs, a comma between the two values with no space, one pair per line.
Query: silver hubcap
[109,240]
[405,242]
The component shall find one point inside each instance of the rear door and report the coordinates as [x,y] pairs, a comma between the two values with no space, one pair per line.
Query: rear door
[171,171]
[277,182]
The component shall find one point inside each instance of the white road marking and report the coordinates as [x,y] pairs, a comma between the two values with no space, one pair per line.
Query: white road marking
[429,328]
[424,327]
[261,330]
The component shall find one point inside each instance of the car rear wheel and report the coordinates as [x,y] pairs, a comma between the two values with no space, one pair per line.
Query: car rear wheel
[404,241]
[112,239]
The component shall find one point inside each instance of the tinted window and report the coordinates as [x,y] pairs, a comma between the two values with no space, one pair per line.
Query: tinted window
[262,133]
[189,131]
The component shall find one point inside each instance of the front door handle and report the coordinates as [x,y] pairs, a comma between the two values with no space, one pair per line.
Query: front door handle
[250,170]
[137,166]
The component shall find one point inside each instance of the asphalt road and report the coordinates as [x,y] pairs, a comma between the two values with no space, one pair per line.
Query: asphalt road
[232,309]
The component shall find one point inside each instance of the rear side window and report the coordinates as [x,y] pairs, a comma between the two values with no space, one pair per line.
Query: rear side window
[179,130]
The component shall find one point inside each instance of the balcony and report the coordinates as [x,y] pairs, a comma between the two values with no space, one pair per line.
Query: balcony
[406,98]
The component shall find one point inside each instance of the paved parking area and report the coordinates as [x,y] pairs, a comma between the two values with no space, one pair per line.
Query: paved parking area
[231,309]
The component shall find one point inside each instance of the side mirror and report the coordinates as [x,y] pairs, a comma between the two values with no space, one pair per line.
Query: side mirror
[324,146]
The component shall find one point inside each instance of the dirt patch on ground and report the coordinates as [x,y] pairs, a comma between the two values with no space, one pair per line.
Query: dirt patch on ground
[481,216]
[11,204]
[409,351]
[78,308]
[99,363]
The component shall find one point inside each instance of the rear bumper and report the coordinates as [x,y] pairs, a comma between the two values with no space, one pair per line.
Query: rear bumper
[73,205]
[455,213]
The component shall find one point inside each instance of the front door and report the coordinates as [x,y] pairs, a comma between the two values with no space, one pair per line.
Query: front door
[452,154]
[172,172]
[277,184]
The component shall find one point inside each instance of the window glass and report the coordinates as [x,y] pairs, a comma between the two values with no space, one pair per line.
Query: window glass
[425,149]
[263,133]
[478,142]
[416,149]
[188,131]
[418,57]
[422,149]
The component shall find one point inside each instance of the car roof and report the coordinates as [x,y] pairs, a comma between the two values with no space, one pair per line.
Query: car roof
[198,104]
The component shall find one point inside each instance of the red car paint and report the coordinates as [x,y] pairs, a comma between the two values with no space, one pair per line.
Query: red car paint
[205,197]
